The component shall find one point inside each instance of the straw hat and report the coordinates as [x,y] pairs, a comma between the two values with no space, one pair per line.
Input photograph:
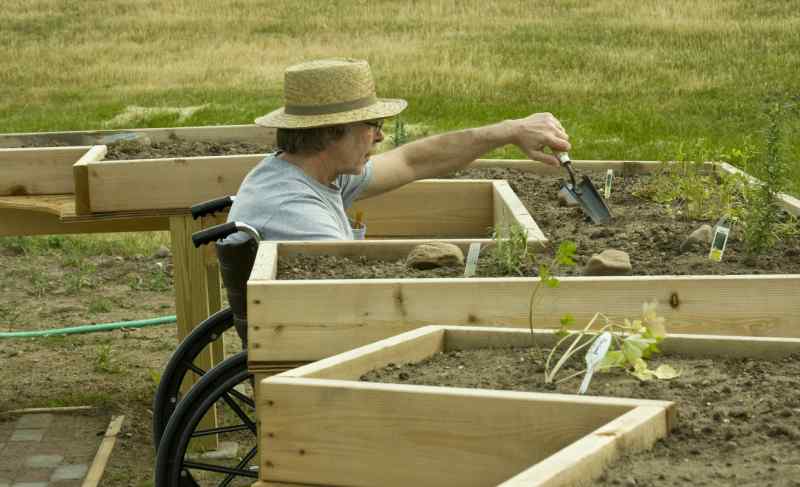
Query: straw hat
[329,92]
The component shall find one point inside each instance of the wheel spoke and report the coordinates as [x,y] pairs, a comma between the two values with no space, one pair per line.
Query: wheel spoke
[239,412]
[242,465]
[221,429]
[220,469]
[197,370]
[238,395]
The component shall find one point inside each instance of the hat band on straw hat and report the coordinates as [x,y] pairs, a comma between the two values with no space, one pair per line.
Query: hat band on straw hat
[331,108]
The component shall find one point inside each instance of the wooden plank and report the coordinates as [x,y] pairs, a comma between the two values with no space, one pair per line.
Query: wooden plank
[586,459]
[509,209]
[265,267]
[98,466]
[80,173]
[253,134]
[14,222]
[411,346]
[338,315]
[699,346]
[430,208]
[353,433]
[171,183]
[38,171]
[787,202]
[623,168]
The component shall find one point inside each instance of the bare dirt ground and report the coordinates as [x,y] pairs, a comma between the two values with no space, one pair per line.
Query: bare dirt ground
[115,371]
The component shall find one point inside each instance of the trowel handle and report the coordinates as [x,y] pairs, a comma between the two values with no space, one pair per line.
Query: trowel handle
[565,161]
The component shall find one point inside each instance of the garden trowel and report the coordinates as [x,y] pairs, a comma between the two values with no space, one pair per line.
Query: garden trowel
[584,193]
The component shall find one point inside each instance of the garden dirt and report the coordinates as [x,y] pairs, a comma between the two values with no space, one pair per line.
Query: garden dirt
[738,419]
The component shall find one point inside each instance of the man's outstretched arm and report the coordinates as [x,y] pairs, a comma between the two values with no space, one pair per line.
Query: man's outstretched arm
[442,154]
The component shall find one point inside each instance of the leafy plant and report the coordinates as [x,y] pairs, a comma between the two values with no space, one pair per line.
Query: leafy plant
[633,343]
[761,217]
[564,256]
[510,255]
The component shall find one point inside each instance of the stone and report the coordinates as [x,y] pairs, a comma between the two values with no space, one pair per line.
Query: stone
[34,421]
[435,254]
[609,262]
[27,435]
[43,461]
[566,199]
[162,252]
[70,472]
[698,238]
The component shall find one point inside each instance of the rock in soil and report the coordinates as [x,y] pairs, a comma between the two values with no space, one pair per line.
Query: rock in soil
[435,254]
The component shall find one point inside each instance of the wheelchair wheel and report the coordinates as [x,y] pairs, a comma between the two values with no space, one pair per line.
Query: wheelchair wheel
[178,463]
[168,394]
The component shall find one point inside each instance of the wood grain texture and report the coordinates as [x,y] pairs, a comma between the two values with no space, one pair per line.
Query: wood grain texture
[253,134]
[38,171]
[363,434]
[338,315]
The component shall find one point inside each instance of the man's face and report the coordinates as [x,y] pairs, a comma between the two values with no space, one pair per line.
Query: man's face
[353,150]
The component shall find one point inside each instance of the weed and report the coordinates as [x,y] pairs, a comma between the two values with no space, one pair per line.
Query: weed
[104,361]
[80,277]
[100,305]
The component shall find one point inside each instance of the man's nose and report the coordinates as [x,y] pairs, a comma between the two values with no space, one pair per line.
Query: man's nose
[378,136]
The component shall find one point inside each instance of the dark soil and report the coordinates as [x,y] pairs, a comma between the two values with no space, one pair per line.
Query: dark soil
[174,147]
[180,148]
[738,419]
[640,227]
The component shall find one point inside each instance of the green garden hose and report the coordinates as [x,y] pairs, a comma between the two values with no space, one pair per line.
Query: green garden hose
[91,328]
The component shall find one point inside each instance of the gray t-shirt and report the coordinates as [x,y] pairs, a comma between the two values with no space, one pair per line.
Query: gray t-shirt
[284,203]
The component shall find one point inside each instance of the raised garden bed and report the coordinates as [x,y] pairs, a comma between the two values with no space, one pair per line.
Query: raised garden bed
[139,141]
[322,424]
[340,314]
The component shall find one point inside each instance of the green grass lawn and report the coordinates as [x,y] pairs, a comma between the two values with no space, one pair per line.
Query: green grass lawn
[643,80]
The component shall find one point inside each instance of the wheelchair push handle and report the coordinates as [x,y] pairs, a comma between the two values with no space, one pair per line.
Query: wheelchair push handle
[218,232]
[211,206]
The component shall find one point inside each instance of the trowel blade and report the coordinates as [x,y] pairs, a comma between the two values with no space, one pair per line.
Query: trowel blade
[590,200]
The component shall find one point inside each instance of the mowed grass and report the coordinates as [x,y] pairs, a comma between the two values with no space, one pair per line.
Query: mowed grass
[639,80]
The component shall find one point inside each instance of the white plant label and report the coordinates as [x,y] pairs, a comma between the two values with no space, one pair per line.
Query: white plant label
[594,356]
[721,232]
[472,259]
[607,188]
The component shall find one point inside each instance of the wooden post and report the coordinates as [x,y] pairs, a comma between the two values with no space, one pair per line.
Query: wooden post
[192,303]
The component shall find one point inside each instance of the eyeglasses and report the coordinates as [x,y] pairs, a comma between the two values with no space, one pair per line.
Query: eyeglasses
[376,124]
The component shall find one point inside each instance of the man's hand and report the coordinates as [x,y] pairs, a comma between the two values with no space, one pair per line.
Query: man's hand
[539,131]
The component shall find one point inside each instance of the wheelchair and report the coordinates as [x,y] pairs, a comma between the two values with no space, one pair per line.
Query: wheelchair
[224,391]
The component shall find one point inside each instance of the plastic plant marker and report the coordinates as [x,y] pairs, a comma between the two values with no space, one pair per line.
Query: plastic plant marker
[607,187]
[721,232]
[472,259]
[595,354]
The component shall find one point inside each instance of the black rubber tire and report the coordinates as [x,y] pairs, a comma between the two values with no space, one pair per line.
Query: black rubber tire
[172,469]
[168,394]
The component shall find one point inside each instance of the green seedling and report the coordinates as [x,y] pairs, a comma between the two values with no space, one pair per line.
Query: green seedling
[564,257]
[632,343]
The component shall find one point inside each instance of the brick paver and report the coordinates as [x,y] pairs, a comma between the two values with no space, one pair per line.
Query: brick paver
[48,450]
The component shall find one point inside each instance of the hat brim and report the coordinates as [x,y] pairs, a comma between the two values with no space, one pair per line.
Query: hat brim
[385,107]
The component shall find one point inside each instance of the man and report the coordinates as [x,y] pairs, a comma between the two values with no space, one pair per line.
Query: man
[325,134]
